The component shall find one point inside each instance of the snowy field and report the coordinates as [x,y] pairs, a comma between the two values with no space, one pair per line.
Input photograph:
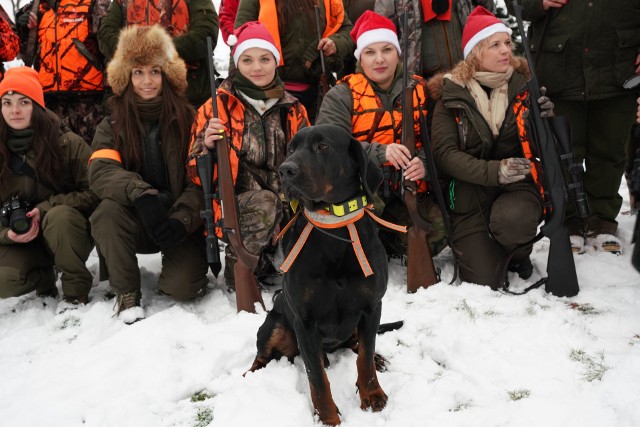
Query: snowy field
[466,356]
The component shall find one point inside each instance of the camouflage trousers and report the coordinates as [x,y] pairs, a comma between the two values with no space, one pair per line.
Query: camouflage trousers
[394,210]
[81,113]
[259,212]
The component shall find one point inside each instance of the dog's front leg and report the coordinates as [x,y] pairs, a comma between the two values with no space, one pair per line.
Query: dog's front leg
[371,394]
[310,345]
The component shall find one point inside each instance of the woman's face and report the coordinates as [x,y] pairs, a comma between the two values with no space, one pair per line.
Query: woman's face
[258,65]
[379,62]
[147,81]
[496,56]
[16,110]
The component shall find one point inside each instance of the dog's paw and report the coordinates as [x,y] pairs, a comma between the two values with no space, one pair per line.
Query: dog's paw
[375,399]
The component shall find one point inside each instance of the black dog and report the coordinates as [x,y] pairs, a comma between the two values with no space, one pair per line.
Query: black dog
[327,300]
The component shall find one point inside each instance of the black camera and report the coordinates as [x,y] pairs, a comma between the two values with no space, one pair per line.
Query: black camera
[14,214]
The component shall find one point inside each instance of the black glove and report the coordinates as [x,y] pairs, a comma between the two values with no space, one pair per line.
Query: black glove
[150,211]
[546,106]
[169,233]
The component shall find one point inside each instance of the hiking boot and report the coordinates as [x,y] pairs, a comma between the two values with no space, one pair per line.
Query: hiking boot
[606,243]
[71,303]
[524,268]
[129,309]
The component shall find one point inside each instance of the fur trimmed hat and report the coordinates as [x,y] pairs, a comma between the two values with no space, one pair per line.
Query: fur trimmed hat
[373,28]
[23,80]
[480,25]
[146,45]
[252,34]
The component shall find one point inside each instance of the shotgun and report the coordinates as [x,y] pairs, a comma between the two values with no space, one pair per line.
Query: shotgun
[29,56]
[562,279]
[324,80]
[247,292]
[420,269]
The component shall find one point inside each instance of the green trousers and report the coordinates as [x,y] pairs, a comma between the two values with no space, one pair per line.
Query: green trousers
[120,235]
[65,242]
[600,134]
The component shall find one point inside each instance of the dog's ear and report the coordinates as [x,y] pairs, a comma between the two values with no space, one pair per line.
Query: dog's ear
[370,172]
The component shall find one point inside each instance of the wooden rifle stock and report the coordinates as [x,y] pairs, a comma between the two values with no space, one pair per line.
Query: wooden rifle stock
[247,292]
[421,273]
[562,279]
[31,51]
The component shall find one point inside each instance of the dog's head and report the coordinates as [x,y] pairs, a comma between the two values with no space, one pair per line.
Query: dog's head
[326,165]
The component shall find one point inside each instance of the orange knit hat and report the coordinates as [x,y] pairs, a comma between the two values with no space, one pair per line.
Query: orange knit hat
[23,80]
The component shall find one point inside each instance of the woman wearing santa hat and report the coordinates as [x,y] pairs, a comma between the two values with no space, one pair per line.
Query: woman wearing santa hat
[137,168]
[367,104]
[45,199]
[259,118]
[480,141]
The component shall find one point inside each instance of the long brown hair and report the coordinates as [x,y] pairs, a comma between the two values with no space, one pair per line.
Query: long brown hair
[289,10]
[127,129]
[44,145]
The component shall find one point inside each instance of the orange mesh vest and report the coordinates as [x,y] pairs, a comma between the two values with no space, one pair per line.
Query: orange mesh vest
[62,66]
[521,110]
[268,15]
[172,15]
[231,113]
[371,122]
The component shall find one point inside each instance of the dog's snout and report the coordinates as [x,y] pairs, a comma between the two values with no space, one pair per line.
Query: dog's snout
[288,170]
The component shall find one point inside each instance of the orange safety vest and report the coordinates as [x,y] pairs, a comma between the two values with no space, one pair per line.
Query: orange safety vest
[231,113]
[521,110]
[371,122]
[62,66]
[172,15]
[268,15]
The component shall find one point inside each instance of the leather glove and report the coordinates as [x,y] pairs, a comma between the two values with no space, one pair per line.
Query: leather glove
[546,106]
[150,211]
[513,170]
[169,233]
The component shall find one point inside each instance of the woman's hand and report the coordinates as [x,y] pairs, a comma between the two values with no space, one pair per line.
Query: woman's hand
[213,133]
[638,111]
[34,214]
[400,157]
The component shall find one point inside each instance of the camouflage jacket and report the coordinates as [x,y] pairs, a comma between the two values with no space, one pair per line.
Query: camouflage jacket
[9,41]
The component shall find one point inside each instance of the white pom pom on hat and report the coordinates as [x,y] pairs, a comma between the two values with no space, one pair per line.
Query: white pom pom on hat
[232,40]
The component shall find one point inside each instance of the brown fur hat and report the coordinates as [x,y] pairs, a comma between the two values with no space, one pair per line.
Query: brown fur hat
[146,45]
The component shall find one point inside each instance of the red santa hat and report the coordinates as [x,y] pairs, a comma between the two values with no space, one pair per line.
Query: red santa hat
[252,34]
[480,24]
[373,28]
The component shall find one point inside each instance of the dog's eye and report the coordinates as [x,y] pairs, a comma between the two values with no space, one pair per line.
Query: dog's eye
[322,147]
[289,149]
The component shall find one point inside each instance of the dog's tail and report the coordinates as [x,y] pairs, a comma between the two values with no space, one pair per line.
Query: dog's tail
[386,327]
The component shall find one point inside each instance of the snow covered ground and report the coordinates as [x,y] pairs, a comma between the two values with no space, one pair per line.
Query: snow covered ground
[466,356]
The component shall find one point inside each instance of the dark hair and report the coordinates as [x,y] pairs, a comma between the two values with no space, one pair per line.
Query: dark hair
[290,10]
[127,132]
[44,144]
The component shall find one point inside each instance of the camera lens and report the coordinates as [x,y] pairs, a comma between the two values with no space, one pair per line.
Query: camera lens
[19,221]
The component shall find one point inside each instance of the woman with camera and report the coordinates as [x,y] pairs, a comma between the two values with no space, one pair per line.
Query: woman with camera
[44,190]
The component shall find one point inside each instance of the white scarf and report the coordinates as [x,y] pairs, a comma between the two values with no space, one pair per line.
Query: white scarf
[493,108]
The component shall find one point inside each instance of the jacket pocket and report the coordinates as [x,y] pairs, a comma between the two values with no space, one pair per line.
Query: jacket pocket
[626,53]
[551,62]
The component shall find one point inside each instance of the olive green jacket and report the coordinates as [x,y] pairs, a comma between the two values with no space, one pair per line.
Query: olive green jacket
[109,179]
[474,162]
[191,46]
[588,48]
[72,183]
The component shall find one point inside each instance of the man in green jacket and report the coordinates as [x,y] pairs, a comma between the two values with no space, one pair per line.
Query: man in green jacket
[189,22]
[585,50]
